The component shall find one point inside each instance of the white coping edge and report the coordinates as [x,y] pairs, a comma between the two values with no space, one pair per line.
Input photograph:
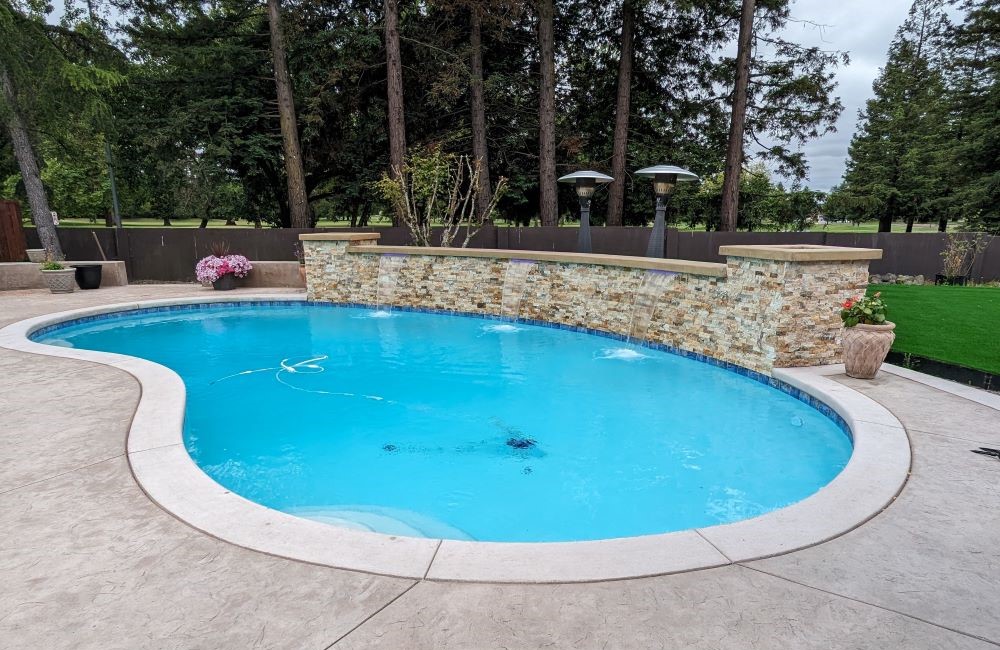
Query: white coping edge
[162,467]
[977,395]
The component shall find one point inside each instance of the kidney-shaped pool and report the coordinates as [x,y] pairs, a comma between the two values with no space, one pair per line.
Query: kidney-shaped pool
[457,427]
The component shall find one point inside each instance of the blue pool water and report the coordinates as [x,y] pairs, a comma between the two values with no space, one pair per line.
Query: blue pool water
[467,428]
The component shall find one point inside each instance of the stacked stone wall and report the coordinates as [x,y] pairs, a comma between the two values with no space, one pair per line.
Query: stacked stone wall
[763,314]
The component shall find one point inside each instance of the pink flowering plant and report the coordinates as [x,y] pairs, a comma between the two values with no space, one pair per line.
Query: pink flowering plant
[214,267]
[864,310]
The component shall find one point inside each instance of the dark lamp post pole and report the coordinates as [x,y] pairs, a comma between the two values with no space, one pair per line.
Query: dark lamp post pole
[665,179]
[586,184]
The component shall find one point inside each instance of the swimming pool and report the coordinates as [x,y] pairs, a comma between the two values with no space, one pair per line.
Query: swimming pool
[445,426]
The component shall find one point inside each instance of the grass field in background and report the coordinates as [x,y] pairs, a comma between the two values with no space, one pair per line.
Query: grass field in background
[324,223]
[957,325]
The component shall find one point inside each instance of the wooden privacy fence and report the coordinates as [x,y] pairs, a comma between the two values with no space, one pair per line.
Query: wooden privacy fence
[169,254]
[12,240]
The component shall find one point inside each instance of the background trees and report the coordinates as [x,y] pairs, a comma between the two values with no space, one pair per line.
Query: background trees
[197,111]
[927,146]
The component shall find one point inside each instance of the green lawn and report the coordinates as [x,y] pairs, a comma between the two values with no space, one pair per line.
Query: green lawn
[957,325]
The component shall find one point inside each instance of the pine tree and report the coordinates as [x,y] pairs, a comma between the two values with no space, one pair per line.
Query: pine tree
[973,148]
[893,169]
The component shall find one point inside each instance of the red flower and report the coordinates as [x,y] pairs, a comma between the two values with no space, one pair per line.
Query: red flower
[848,303]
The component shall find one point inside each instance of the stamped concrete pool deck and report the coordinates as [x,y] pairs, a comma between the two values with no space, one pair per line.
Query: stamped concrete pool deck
[88,561]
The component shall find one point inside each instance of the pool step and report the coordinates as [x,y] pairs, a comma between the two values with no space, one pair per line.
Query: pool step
[376,519]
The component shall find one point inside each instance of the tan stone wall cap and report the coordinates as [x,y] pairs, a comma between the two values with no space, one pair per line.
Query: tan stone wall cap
[339,236]
[801,252]
[651,263]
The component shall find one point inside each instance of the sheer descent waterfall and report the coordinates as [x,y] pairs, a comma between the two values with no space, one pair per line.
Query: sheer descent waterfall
[513,287]
[388,274]
[646,298]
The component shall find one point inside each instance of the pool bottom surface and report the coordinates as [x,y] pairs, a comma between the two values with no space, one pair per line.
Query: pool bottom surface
[453,427]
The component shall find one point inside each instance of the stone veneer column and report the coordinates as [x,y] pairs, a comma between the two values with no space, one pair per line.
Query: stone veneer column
[323,279]
[786,300]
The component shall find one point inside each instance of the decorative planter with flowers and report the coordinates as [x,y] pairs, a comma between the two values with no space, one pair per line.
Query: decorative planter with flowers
[867,335]
[222,270]
[58,278]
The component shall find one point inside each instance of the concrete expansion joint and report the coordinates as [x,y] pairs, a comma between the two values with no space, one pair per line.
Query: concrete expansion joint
[61,474]
[869,603]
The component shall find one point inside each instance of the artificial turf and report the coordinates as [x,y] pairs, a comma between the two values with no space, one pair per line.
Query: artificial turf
[956,325]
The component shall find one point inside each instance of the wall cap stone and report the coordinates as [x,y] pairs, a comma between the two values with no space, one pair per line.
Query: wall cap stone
[339,236]
[801,252]
[650,263]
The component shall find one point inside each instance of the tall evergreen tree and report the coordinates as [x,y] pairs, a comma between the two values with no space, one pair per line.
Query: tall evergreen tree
[893,168]
[788,97]
[548,207]
[394,90]
[972,154]
[300,214]
[47,79]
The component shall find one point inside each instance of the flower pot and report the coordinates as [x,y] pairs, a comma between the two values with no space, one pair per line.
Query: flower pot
[955,280]
[225,283]
[61,281]
[36,255]
[88,276]
[865,347]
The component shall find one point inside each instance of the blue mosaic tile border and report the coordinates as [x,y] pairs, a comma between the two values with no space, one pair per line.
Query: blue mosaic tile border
[777,384]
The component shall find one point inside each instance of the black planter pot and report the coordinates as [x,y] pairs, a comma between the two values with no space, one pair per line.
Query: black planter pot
[225,283]
[88,276]
[955,280]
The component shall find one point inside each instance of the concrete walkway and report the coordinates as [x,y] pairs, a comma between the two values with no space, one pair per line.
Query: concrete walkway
[87,561]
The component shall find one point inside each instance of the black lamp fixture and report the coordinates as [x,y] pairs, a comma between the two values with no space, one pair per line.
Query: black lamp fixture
[665,179]
[586,184]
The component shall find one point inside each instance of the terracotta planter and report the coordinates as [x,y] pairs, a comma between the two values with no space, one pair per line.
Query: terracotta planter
[61,281]
[865,347]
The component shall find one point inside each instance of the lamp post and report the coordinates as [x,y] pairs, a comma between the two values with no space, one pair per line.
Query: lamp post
[586,183]
[665,179]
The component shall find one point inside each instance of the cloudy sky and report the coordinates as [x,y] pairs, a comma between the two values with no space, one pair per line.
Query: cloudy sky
[863,28]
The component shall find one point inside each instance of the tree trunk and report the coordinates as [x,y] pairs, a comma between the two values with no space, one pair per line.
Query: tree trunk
[548,208]
[204,222]
[888,216]
[943,224]
[24,152]
[394,92]
[737,124]
[909,224]
[616,200]
[300,213]
[480,150]
[166,222]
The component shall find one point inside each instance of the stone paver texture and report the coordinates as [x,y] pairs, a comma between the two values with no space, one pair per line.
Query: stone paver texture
[87,561]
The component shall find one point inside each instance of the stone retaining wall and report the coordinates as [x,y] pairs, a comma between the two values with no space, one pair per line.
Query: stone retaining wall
[767,307]
[26,275]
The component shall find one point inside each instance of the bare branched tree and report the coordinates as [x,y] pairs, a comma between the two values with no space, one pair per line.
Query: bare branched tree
[435,188]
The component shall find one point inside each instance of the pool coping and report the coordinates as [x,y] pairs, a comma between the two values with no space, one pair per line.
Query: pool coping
[873,477]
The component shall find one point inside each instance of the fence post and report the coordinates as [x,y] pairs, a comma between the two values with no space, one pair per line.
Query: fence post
[671,248]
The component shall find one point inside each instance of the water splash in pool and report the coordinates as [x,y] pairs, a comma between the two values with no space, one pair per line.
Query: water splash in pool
[622,354]
[503,328]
